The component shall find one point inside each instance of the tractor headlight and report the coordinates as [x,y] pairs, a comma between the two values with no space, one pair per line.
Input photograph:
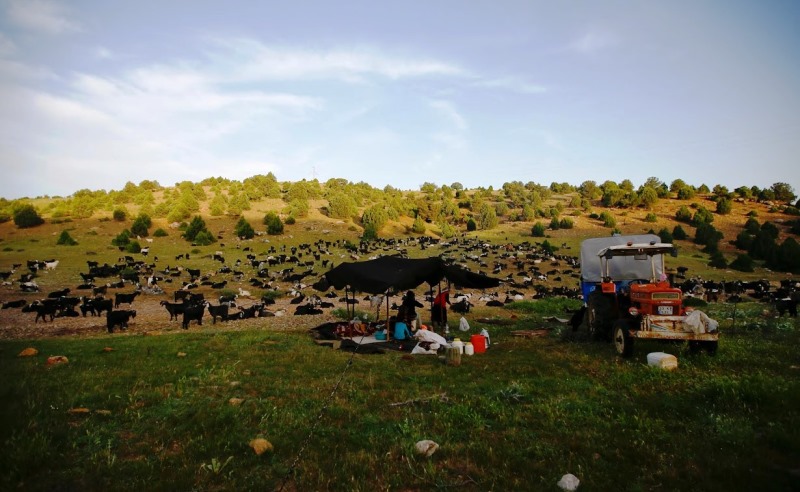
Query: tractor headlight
[633,311]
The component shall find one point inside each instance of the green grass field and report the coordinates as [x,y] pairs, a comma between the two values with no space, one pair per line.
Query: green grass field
[515,418]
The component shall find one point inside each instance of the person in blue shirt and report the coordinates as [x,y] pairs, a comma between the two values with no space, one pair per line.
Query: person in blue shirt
[401,331]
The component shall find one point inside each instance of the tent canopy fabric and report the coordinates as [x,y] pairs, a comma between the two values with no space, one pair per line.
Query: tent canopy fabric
[381,274]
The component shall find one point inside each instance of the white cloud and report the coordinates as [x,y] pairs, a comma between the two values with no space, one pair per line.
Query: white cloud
[40,15]
[593,41]
[7,46]
[447,110]
[255,61]
[512,84]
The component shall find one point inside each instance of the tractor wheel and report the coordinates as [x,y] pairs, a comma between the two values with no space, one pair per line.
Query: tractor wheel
[598,315]
[623,342]
[695,347]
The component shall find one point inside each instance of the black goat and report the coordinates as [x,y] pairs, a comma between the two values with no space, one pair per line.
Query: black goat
[119,318]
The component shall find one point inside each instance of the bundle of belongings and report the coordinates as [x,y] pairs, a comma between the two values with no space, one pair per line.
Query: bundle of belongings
[699,322]
[370,338]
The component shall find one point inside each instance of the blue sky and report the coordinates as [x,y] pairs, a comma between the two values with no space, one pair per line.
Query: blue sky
[95,93]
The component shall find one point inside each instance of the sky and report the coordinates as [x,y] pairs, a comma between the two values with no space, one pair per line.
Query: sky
[94,94]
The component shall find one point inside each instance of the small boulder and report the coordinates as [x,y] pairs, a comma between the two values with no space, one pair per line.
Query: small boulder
[260,445]
[569,482]
[426,447]
[28,352]
[57,360]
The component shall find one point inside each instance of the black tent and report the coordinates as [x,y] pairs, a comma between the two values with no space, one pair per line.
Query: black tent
[394,272]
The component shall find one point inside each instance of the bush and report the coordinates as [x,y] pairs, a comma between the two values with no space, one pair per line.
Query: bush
[122,239]
[419,225]
[370,233]
[160,233]
[724,206]
[608,219]
[742,263]
[290,220]
[651,217]
[26,216]
[665,235]
[273,223]
[195,227]
[204,238]
[683,214]
[702,216]
[554,224]
[133,247]
[140,225]
[538,230]
[678,233]
[243,229]
[65,239]
[471,225]
[566,223]
[717,260]
[120,215]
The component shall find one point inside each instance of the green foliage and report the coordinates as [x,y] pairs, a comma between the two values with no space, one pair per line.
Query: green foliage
[608,219]
[787,257]
[370,233]
[298,208]
[160,233]
[290,220]
[547,247]
[243,229]
[218,205]
[26,216]
[65,239]
[724,206]
[707,235]
[273,223]
[678,233]
[683,214]
[648,197]
[651,217]
[195,228]
[471,225]
[204,238]
[717,260]
[742,263]
[119,214]
[133,247]
[419,226]
[783,192]
[375,216]
[122,239]
[341,206]
[487,217]
[448,231]
[702,216]
[141,225]
[665,235]
[566,223]
[538,230]
[554,225]
[686,193]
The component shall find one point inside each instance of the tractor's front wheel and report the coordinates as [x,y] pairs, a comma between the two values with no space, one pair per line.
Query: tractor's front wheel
[623,341]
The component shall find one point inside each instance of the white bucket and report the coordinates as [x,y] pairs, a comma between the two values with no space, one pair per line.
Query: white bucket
[662,360]
[458,344]
[469,349]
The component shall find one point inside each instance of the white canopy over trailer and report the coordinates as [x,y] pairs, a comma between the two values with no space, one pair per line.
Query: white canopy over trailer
[630,267]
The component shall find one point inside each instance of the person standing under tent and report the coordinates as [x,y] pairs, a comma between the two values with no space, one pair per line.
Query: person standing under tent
[439,310]
[408,310]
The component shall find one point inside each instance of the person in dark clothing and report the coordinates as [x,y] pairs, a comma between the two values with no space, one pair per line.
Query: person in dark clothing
[408,310]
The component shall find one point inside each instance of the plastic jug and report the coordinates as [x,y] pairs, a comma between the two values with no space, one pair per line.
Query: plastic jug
[486,334]
[457,343]
[468,349]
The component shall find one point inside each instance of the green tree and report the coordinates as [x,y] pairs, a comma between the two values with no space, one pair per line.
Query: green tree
[119,215]
[487,217]
[141,225]
[678,233]
[26,216]
[122,239]
[65,239]
[783,192]
[243,229]
[742,263]
[651,217]
[648,197]
[665,235]
[717,260]
[471,225]
[204,238]
[273,223]
[683,214]
[341,206]
[566,223]
[702,216]
[418,226]
[538,230]
[370,233]
[608,219]
[376,216]
[218,205]
[724,206]
[554,224]
[196,226]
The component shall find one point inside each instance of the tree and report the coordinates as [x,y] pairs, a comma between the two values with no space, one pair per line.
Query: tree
[678,233]
[783,192]
[375,215]
[724,206]
[707,235]
[566,223]
[686,193]
[608,219]
[648,197]
[120,215]
[218,205]
[370,233]
[457,186]
[651,217]
[204,238]
[419,225]
[742,263]
[717,260]
[196,226]
[65,239]
[554,224]
[676,185]
[787,257]
[122,239]
[26,216]
[427,187]
[471,225]
[341,206]
[243,229]
[538,230]
[665,235]
[487,217]
[141,225]
[702,216]
[273,223]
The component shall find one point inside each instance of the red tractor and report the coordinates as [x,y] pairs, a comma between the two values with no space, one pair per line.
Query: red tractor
[627,295]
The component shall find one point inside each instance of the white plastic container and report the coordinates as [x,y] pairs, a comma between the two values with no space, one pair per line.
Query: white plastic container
[469,349]
[662,360]
[457,343]
[486,334]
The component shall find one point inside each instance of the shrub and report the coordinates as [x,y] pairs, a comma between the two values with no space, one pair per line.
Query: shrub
[724,206]
[683,214]
[120,215]
[608,219]
[204,238]
[65,239]
[538,230]
[133,247]
[243,229]
[742,263]
[678,233]
[140,225]
[651,217]
[419,225]
[554,224]
[122,239]
[471,225]
[160,233]
[290,220]
[370,233]
[717,260]
[566,223]
[273,223]
[702,216]
[27,216]
[665,235]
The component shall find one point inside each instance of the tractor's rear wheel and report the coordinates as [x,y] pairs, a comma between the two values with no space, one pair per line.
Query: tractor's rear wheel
[598,314]
[623,342]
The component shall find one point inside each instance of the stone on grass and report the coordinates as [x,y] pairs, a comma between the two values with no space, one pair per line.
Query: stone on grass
[28,352]
[57,359]
[235,402]
[426,447]
[569,482]
[260,445]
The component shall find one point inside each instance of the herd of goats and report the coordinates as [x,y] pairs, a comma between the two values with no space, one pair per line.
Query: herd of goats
[526,270]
